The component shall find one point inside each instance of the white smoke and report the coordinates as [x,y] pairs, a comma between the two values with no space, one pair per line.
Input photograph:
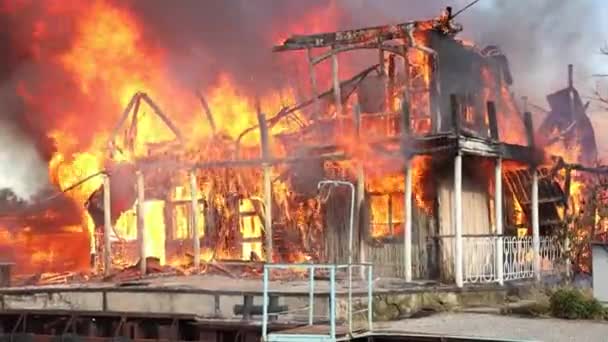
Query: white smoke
[22,169]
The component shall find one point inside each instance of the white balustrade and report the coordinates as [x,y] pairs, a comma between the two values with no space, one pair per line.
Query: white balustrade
[518,258]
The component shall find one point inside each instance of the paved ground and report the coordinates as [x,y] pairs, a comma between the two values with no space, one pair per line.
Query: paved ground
[496,326]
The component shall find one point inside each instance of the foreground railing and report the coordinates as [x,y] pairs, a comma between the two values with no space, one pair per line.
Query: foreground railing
[481,252]
[340,277]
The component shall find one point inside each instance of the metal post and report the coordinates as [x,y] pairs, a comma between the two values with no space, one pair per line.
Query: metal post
[196,245]
[350,298]
[370,298]
[107,225]
[458,260]
[535,225]
[332,302]
[498,220]
[407,231]
[311,297]
[141,229]
[265,306]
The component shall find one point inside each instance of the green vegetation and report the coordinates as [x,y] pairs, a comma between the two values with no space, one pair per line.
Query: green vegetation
[571,303]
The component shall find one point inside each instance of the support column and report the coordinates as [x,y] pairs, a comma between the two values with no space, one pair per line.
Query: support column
[266,168]
[535,225]
[360,196]
[458,259]
[141,231]
[107,225]
[196,242]
[407,200]
[407,228]
[336,83]
[498,221]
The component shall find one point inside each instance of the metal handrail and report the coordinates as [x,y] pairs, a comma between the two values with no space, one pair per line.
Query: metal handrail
[332,295]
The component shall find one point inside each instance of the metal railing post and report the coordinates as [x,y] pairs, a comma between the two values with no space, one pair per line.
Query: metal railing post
[311,294]
[370,298]
[350,299]
[265,306]
[332,302]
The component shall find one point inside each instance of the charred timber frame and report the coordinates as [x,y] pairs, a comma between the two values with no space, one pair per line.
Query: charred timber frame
[368,38]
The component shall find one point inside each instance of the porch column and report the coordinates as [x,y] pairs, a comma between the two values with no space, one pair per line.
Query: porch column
[140,222]
[458,257]
[535,225]
[196,243]
[107,225]
[407,228]
[498,220]
[360,193]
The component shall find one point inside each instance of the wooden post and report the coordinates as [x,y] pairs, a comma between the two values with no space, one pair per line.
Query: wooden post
[107,225]
[407,228]
[491,108]
[313,85]
[498,221]
[458,260]
[407,200]
[196,242]
[141,230]
[336,82]
[535,225]
[266,156]
[567,191]
[455,108]
[360,193]
[391,83]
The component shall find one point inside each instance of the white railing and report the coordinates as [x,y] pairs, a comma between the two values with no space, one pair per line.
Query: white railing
[551,256]
[480,254]
[479,259]
[518,256]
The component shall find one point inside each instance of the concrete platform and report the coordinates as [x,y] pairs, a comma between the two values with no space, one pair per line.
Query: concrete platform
[215,297]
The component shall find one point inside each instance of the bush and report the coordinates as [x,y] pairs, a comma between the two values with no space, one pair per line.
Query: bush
[573,304]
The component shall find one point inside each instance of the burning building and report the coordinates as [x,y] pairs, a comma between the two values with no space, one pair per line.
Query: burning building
[420,164]
[427,135]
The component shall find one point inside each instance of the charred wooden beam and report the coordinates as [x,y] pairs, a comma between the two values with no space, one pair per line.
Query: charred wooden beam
[162,116]
[123,118]
[394,49]
[529,130]
[392,70]
[336,84]
[357,36]
[313,85]
[491,110]
[208,112]
[455,111]
[352,82]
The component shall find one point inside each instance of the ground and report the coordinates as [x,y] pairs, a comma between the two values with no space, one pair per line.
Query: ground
[504,327]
